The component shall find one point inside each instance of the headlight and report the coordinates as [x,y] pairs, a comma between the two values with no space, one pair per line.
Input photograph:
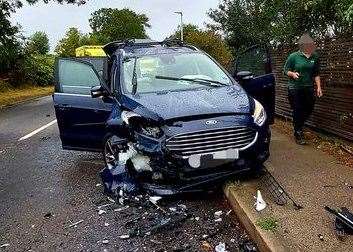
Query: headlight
[259,113]
[126,115]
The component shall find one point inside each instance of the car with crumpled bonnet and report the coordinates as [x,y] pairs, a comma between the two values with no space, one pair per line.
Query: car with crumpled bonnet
[167,112]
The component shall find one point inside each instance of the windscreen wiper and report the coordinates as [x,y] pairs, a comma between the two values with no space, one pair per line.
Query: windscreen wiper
[198,80]
[134,79]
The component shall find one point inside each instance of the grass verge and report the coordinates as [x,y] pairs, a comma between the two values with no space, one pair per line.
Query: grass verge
[13,96]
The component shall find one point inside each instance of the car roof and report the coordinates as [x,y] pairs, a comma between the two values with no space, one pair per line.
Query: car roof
[138,47]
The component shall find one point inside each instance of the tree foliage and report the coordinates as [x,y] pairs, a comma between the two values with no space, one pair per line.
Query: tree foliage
[38,43]
[113,24]
[246,22]
[208,41]
[67,45]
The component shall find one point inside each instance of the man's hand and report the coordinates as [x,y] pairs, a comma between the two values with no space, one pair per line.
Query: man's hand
[319,92]
[294,75]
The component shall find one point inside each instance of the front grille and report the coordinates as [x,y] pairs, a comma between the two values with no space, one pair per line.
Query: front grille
[209,141]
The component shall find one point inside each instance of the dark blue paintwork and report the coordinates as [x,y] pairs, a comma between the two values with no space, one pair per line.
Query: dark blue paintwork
[171,105]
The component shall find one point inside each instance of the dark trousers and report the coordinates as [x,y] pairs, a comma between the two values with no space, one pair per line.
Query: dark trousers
[302,102]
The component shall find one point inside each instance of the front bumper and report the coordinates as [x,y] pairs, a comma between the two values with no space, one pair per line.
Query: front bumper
[175,175]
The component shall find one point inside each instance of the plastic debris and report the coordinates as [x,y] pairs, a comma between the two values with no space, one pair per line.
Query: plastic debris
[106,224]
[155,199]
[221,247]
[124,237]
[260,203]
[218,214]
[218,220]
[228,213]
[116,179]
[75,223]
[121,209]
[101,211]
[197,218]
[4,245]
[105,241]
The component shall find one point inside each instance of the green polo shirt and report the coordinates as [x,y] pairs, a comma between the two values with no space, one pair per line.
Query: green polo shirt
[308,69]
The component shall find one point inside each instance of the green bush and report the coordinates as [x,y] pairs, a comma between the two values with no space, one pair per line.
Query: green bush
[38,70]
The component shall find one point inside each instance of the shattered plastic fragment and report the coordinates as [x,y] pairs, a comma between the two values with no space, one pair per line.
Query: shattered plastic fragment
[105,241]
[4,245]
[117,179]
[260,203]
[218,214]
[101,211]
[218,220]
[124,237]
[221,247]
[155,199]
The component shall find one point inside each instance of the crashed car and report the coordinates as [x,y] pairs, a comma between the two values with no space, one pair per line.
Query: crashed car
[167,113]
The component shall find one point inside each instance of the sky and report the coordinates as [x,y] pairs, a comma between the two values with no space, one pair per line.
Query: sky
[55,19]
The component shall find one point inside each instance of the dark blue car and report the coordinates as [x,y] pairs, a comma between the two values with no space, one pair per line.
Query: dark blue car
[167,111]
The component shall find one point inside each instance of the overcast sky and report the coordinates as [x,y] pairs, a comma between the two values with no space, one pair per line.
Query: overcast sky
[55,19]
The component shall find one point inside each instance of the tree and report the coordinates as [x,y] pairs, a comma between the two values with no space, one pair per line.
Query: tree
[113,24]
[246,22]
[208,41]
[67,45]
[38,43]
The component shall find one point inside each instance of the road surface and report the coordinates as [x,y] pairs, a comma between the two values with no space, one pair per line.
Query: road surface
[44,189]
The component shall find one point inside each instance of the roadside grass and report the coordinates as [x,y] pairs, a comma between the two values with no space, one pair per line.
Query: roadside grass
[11,96]
[268,223]
[339,148]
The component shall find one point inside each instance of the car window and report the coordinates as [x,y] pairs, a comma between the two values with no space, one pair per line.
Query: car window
[253,60]
[175,65]
[76,77]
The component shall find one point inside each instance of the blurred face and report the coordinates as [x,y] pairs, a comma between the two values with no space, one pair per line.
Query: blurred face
[308,48]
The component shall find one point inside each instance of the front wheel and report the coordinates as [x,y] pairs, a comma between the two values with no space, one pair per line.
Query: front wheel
[112,146]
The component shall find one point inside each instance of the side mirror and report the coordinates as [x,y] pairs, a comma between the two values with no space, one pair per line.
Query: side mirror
[244,75]
[98,91]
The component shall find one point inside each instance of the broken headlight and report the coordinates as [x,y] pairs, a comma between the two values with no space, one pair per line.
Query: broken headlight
[140,125]
[151,131]
[259,113]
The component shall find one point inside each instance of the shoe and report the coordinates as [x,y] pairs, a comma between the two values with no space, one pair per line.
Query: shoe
[299,138]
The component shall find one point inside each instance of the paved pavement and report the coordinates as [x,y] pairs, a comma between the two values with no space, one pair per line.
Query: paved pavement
[43,189]
[315,180]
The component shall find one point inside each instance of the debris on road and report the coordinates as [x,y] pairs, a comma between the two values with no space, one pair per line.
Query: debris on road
[101,211]
[260,204]
[344,220]
[75,223]
[218,214]
[206,247]
[48,215]
[221,247]
[4,245]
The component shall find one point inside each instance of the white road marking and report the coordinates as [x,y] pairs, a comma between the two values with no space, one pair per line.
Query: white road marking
[37,130]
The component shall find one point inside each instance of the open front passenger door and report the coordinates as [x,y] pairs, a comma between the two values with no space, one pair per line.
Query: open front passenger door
[254,73]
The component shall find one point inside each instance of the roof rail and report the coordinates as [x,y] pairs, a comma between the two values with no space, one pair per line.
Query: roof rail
[111,47]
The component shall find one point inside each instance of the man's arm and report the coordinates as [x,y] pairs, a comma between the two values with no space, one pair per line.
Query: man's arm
[288,67]
[317,78]
[318,86]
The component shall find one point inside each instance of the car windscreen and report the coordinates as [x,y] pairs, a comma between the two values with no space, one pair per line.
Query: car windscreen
[171,72]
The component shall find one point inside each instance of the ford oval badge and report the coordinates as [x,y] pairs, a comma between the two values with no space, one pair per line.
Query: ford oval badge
[211,122]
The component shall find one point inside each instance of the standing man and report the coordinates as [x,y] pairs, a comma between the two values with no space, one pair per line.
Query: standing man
[302,68]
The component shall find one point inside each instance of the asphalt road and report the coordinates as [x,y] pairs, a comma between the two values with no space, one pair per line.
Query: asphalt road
[44,189]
